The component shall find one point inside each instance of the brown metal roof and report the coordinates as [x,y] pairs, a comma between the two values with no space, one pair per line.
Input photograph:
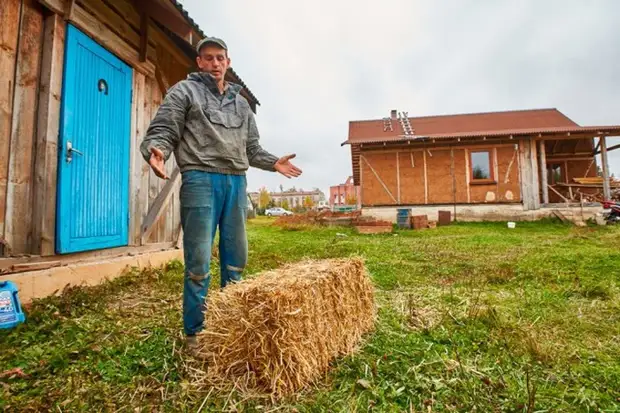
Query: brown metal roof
[471,124]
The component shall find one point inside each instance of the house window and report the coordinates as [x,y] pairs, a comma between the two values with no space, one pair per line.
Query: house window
[481,166]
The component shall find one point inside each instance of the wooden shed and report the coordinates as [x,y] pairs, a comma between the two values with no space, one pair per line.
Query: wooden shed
[80,82]
[509,165]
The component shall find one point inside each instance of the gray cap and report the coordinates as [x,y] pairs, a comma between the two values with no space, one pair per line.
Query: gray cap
[212,40]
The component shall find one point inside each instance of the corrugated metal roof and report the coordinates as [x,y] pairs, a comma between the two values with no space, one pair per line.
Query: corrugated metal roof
[599,130]
[459,124]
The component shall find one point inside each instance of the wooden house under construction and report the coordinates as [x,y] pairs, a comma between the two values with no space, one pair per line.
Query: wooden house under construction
[80,82]
[513,165]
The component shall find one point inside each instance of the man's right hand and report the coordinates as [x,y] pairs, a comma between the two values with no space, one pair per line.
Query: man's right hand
[157,163]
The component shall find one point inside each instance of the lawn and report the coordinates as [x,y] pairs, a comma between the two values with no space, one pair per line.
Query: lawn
[472,317]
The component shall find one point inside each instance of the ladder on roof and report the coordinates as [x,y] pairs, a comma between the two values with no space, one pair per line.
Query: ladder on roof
[387,125]
[406,125]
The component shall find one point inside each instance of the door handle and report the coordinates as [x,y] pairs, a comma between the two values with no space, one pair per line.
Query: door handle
[70,150]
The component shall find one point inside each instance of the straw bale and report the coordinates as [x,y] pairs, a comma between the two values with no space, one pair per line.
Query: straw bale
[278,332]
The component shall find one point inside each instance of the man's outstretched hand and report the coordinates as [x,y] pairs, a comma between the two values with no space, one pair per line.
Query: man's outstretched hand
[157,163]
[286,168]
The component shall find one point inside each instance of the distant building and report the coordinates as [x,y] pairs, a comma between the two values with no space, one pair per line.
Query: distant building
[343,193]
[294,198]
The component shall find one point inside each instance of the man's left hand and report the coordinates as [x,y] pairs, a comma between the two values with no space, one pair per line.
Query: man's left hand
[286,168]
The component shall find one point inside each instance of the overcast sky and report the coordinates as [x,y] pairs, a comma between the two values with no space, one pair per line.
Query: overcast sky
[314,66]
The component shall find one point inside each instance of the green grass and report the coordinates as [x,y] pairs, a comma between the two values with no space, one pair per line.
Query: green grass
[472,317]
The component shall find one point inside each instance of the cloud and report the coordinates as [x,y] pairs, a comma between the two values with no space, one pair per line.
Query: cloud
[316,65]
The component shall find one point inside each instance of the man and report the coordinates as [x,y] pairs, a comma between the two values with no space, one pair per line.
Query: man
[211,129]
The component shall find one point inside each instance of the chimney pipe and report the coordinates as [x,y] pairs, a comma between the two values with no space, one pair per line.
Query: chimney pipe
[393,114]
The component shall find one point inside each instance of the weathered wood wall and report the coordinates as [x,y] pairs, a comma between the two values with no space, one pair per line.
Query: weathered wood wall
[32,44]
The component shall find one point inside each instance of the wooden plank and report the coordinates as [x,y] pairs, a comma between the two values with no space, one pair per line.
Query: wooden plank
[526,175]
[144,35]
[130,13]
[10,11]
[162,224]
[111,40]
[168,18]
[57,6]
[611,148]
[605,167]
[68,12]
[34,266]
[425,179]
[378,178]
[159,205]
[45,166]
[560,216]
[145,177]
[361,183]
[397,177]
[138,165]
[18,214]
[81,257]
[161,80]
[467,175]
[118,23]
[102,34]
[543,171]
[496,172]
[533,159]
[557,193]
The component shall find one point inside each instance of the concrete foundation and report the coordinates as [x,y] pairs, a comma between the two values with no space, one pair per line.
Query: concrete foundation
[43,283]
[487,212]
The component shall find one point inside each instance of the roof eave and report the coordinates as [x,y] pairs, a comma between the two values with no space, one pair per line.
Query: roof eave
[195,26]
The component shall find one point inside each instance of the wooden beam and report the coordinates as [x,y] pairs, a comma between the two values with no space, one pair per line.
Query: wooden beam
[94,27]
[527,176]
[378,178]
[161,80]
[605,167]
[171,20]
[10,11]
[361,182]
[398,177]
[535,178]
[138,165]
[159,205]
[611,148]
[568,158]
[44,203]
[121,23]
[598,145]
[18,214]
[543,171]
[467,175]
[559,194]
[69,4]
[144,34]
[425,178]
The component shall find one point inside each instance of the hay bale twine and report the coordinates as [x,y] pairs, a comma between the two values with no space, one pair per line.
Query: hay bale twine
[277,332]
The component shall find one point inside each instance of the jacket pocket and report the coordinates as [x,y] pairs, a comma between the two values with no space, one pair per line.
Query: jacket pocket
[229,120]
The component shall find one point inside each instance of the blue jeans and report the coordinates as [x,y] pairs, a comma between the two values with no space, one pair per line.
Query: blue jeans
[209,200]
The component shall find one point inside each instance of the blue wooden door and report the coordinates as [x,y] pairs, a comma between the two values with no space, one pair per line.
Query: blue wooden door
[93,164]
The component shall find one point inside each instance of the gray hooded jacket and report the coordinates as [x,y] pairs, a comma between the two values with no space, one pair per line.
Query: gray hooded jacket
[207,130]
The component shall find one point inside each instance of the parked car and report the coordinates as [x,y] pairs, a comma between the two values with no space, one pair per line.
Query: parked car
[277,212]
